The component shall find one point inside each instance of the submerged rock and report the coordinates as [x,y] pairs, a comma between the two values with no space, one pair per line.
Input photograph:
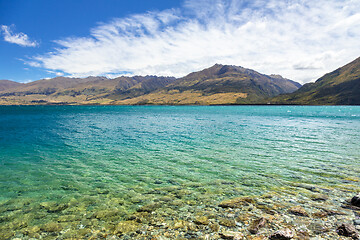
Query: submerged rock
[6,234]
[180,224]
[227,222]
[53,207]
[168,198]
[140,217]
[284,234]
[105,214]
[150,207]
[320,214]
[355,201]
[299,211]
[257,224]
[237,202]
[126,227]
[303,235]
[184,225]
[32,231]
[102,191]
[191,235]
[214,227]
[202,220]
[52,227]
[318,227]
[319,197]
[309,187]
[232,235]
[68,218]
[330,212]
[348,230]
[77,234]
[18,223]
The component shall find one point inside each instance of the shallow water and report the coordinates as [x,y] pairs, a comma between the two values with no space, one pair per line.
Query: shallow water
[120,158]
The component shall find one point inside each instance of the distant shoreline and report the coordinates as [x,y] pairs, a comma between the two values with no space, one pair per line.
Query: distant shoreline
[172,105]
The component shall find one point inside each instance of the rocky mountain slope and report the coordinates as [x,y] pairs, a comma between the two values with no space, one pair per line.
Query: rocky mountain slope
[340,87]
[220,84]
[6,84]
[90,90]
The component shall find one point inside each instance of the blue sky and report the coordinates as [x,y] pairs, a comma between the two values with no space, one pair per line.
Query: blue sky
[47,20]
[299,39]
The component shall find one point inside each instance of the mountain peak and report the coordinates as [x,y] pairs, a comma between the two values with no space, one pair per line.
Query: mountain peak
[232,69]
[276,76]
[7,84]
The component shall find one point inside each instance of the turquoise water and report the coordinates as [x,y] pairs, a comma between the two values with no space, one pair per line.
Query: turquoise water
[96,154]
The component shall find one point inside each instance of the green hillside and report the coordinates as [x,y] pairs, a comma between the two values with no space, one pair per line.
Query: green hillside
[340,87]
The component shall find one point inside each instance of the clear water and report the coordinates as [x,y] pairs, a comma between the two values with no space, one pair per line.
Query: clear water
[68,153]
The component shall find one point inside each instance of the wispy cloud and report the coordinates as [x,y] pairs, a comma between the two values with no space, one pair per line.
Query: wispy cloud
[58,74]
[300,39]
[18,38]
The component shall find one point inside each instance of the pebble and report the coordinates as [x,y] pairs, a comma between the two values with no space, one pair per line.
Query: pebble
[126,227]
[299,211]
[174,213]
[232,235]
[348,230]
[356,200]
[53,207]
[257,224]
[284,234]
[150,207]
[236,202]
[51,227]
[227,222]
[214,227]
[303,235]
[203,220]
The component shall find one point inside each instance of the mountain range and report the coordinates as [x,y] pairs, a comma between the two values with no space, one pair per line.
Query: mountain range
[217,85]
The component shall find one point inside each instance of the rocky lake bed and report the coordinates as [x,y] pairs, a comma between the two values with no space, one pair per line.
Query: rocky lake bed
[171,172]
[300,211]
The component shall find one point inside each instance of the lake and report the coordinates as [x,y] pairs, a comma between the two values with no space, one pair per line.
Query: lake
[136,172]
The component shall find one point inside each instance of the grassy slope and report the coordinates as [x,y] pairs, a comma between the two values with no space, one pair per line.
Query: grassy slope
[218,85]
[91,90]
[215,85]
[340,87]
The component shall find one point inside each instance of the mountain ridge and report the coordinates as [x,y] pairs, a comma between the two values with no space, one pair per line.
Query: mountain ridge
[7,84]
[339,87]
[218,84]
[234,84]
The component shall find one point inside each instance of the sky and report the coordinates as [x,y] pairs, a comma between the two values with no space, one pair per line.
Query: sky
[298,39]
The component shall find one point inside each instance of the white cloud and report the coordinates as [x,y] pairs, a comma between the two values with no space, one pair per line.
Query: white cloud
[18,38]
[58,74]
[27,81]
[32,63]
[300,39]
